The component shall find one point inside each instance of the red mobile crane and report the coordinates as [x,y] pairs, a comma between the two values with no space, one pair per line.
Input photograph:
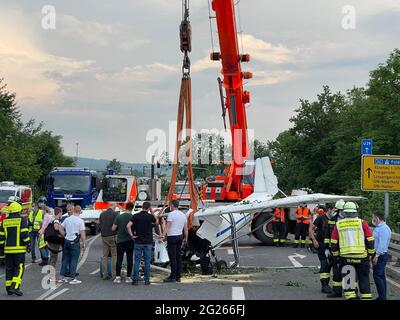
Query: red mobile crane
[231,187]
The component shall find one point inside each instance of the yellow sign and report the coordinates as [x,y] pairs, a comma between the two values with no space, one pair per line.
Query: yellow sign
[380,173]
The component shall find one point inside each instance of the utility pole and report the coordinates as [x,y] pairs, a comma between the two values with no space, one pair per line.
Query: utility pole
[387,204]
[77,150]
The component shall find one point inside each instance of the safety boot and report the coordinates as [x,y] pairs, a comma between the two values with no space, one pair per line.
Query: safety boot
[334,295]
[325,288]
[15,291]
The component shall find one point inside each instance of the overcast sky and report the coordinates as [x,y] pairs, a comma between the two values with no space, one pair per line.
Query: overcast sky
[110,71]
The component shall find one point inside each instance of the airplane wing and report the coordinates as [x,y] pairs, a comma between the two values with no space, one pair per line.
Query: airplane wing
[257,204]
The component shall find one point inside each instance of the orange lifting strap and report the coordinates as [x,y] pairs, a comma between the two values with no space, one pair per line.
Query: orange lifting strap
[185,105]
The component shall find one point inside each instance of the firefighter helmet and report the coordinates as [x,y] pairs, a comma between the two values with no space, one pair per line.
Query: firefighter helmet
[13,207]
[339,204]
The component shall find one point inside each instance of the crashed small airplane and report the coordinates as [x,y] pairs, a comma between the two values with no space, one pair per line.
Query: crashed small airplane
[220,224]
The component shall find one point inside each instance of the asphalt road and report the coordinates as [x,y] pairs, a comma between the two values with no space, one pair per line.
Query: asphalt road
[284,273]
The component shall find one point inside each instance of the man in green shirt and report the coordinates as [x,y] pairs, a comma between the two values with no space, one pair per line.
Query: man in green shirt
[125,243]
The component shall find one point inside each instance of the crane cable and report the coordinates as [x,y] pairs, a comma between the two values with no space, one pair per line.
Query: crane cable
[184,108]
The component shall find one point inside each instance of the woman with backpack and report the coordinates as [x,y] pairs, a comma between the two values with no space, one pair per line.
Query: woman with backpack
[53,237]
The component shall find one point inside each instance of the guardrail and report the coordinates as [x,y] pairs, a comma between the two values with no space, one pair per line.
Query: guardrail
[394,248]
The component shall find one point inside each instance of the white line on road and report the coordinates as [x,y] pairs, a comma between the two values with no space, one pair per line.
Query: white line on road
[238,293]
[230,251]
[83,260]
[57,294]
[294,262]
[95,271]
[86,253]
[392,282]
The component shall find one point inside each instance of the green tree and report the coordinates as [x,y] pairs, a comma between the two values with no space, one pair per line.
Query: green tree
[27,152]
[114,164]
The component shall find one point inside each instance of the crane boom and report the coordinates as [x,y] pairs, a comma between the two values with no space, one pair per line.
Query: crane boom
[235,101]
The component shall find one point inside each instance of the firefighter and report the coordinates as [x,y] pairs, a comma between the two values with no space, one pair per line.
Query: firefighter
[35,224]
[334,261]
[302,223]
[317,232]
[279,227]
[14,242]
[353,242]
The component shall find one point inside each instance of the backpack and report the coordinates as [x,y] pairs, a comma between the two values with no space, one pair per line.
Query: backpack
[52,235]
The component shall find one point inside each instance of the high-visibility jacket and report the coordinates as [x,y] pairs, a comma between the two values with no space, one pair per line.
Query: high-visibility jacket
[352,238]
[14,235]
[35,220]
[279,215]
[303,215]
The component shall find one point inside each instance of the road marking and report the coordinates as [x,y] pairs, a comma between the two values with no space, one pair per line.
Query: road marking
[83,260]
[294,262]
[57,294]
[48,292]
[238,293]
[95,271]
[230,251]
[392,282]
[86,253]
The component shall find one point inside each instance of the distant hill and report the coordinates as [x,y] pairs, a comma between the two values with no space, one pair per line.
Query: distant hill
[101,165]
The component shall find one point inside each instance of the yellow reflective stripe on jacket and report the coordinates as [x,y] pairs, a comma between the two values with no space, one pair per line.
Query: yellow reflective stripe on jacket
[327,241]
[334,241]
[370,239]
[351,237]
[335,253]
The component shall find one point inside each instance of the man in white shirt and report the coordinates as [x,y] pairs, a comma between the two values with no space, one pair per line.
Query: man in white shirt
[73,229]
[176,233]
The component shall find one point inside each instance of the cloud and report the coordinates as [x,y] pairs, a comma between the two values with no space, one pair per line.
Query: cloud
[271,77]
[154,72]
[35,75]
[267,52]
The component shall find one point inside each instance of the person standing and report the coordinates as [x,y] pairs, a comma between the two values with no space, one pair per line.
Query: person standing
[176,233]
[279,227]
[382,235]
[55,244]
[14,242]
[337,215]
[141,228]
[303,221]
[43,247]
[107,219]
[125,243]
[317,232]
[35,224]
[353,242]
[73,229]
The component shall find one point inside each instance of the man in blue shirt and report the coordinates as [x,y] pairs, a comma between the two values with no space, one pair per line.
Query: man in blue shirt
[382,235]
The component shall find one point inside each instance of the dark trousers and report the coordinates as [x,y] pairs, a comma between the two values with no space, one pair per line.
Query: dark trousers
[361,267]
[300,232]
[337,277]
[125,247]
[15,264]
[70,257]
[380,276]
[279,229]
[325,266]
[174,246]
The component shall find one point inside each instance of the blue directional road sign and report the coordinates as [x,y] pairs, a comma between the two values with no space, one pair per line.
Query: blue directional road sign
[366,146]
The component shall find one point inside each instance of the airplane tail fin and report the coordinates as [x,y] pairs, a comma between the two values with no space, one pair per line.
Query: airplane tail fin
[265,180]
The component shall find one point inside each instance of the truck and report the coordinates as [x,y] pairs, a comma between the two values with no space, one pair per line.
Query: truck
[78,186]
[121,189]
[9,189]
